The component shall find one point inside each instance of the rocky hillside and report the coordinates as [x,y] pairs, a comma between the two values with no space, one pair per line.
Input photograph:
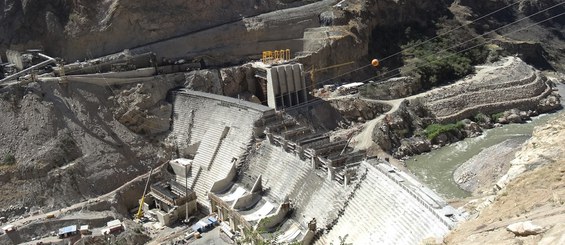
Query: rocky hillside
[62,144]
[538,170]
[85,29]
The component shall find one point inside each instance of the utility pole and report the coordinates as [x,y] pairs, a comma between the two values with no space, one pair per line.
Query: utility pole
[186,193]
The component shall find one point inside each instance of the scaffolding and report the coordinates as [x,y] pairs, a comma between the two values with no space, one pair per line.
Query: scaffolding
[276,56]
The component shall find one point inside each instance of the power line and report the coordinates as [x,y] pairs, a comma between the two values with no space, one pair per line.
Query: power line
[466,49]
[482,35]
[381,81]
[452,30]
[427,41]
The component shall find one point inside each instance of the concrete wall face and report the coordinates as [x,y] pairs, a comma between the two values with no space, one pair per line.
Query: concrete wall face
[286,86]
[15,58]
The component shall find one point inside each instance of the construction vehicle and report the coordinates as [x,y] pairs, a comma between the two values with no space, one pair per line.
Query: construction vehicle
[142,200]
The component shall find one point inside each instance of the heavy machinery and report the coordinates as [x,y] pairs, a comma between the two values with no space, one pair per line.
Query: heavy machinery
[142,200]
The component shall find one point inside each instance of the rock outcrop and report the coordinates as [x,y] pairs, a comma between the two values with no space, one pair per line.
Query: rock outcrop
[529,207]
[357,110]
[204,80]
[85,29]
[544,147]
[393,88]
[143,108]
[238,79]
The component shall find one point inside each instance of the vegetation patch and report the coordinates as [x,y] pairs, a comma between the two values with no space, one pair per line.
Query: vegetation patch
[8,159]
[496,116]
[440,61]
[433,130]
[481,118]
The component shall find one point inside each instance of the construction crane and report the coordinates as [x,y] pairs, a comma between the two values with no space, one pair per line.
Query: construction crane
[313,70]
[142,200]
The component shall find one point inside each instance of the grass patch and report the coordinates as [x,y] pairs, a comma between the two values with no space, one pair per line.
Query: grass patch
[433,130]
[8,159]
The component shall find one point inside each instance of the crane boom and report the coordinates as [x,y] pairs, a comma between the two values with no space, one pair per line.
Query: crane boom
[140,209]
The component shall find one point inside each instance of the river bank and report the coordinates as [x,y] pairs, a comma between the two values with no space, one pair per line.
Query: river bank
[436,168]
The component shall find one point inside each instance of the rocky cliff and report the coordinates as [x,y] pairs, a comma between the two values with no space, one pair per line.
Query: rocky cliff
[533,190]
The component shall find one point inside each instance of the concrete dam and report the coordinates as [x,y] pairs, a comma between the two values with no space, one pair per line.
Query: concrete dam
[263,171]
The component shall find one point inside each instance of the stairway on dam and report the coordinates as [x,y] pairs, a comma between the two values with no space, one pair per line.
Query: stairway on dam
[216,130]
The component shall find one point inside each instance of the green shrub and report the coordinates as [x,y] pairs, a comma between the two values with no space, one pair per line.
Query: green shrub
[9,159]
[481,118]
[441,61]
[496,116]
[433,130]
[434,65]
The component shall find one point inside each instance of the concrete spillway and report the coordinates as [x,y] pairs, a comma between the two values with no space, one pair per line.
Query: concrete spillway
[215,130]
[378,204]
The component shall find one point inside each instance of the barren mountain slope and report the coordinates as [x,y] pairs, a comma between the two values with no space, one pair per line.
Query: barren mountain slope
[63,139]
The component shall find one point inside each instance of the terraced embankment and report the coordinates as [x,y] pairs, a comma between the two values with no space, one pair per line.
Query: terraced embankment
[506,85]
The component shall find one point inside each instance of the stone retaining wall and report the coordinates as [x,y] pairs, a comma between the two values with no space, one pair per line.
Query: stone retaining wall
[522,104]
[473,87]
[453,105]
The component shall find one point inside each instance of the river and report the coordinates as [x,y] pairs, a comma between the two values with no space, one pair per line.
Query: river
[436,168]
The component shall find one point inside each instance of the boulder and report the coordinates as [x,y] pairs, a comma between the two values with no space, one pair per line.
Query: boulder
[525,228]
[472,129]
[549,103]
[514,118]
[413,146]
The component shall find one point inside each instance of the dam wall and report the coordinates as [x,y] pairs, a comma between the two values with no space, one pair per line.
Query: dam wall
[216,131]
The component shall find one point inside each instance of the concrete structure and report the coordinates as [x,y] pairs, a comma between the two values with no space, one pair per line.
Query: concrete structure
[169,201]
[217,132]
[286,85]
[332,191]
[113,226]
[15,57]
[297,184]
[68,231]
